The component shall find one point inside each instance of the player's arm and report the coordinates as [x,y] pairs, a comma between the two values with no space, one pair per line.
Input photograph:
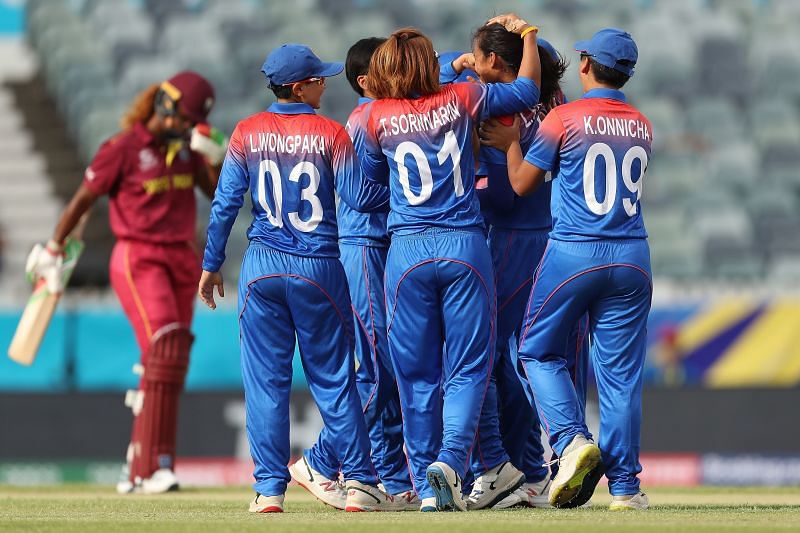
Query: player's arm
[523,176]
[234,182]
[355,187]
[450,70]
[498,99]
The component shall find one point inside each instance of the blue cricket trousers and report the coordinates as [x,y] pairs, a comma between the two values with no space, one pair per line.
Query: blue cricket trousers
[377,388]
[283,297]
[509,427]
[439,287]
[612,281]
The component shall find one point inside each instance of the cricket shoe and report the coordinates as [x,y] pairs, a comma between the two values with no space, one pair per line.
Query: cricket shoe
[163,480]
[630,502]
[267,504]
[428,505]
[494,485]
[328,491]
[446,485]
[125,485]
[575,482]
[405,501]
[528,495]
[363,498]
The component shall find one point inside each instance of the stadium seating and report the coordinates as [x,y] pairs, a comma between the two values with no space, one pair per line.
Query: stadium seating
[721,198]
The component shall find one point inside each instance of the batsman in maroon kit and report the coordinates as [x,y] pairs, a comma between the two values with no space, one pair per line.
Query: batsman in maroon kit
[150,171]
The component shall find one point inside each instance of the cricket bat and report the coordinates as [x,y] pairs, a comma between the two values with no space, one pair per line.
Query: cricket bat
[42,304]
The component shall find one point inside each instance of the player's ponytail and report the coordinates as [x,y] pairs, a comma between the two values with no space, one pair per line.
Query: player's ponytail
[141,109]
[405,66]
[553,69]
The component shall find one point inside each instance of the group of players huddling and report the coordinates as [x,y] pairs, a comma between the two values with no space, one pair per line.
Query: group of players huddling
[470,236]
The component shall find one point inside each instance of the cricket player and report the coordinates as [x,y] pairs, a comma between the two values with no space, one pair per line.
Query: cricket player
[597,261]
[439,276]
[292,284]
[150,171]
[363,244]
[509,433]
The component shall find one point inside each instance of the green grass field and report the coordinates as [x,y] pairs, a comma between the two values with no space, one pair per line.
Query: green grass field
[89,508]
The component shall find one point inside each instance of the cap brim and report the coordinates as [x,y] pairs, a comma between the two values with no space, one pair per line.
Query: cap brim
[582,46]
[331,69]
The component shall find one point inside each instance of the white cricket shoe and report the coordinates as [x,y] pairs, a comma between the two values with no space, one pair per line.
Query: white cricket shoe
[363,498]
[538,493]
[125,485]
[494,485]
[267,504]
[630,502]
[406,501]
[446,485]
[328,491]
[580,460]
[428,505]
[163,480]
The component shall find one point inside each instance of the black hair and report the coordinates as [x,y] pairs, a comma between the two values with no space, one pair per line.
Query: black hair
[508,46]
[358,58]
[495,38]
[284,92]
[607,75]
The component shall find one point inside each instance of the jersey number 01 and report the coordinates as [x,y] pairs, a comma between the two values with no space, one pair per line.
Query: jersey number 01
[449,150]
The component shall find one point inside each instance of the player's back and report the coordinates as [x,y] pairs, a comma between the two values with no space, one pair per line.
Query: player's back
[355,227]
[605,145]
[289,156]
[427,143]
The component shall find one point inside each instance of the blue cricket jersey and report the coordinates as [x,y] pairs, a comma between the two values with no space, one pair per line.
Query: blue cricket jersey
[361,228]
[597,149]
[292,161]
[424,146]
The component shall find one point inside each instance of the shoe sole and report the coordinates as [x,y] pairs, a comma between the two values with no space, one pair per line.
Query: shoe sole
[587,487]
[270,509]
[175,487]
[504,493]
[441,489]
[308,488]
[625,508]
[579,483]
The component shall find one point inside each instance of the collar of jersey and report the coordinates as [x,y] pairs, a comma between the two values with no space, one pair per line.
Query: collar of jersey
[364,100]
[295,108]
[613,94]
[144,135]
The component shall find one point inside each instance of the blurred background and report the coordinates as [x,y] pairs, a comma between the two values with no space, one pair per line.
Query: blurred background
[719,79]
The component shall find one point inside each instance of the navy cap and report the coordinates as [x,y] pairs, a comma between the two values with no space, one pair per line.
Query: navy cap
[613,48]
[296,62]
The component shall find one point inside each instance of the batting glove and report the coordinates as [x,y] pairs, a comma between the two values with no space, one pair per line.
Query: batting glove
[46,262]
[210,142]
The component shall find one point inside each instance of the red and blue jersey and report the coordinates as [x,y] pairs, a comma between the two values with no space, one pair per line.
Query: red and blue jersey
[367,228]
[424,146]
[597,149]
[501,207]
[293,161]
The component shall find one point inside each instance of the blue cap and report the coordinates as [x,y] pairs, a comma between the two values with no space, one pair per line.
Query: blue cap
[613,48]
[296,62]
[549,48]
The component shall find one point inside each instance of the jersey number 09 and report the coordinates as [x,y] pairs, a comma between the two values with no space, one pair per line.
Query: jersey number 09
[309,194]
[603,150]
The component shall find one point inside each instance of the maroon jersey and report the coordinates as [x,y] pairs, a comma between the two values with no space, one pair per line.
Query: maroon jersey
[150,186]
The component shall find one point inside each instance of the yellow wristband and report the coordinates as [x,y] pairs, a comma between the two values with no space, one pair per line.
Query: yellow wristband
[527,30]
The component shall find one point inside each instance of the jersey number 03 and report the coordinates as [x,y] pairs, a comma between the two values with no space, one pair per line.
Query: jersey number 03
[309,194]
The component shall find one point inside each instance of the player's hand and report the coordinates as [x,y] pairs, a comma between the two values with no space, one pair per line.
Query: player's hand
[210,142]
[498,135]
[464,62]
[46,262]
[209,280]
[511,22]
